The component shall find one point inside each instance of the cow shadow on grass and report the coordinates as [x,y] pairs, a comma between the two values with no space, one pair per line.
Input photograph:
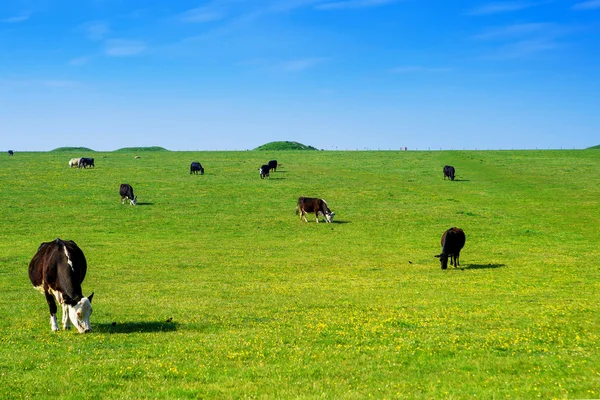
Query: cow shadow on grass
[483,266]
[144,204]
[340,221]
[135,327]
[462,180]
[276,179]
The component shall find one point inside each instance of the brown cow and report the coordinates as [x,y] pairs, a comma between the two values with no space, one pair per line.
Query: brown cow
[313,205]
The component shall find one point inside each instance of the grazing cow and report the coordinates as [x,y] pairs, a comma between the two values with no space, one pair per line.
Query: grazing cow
[264,171]
[57,270]
[453,241]
[126,192]
[273,165]
[74,162]
[449,172]
[11,153]
[86,162]
[195,167]
[311,205]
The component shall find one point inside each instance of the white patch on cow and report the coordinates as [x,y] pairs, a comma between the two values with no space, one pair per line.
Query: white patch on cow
[65,317]
[53,323]
[68,258]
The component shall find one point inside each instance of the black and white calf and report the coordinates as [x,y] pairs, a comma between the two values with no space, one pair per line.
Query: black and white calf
[264,171]
[196,167]
[57,270]
[453,240]
[312,205]
[11,153]
[126,192]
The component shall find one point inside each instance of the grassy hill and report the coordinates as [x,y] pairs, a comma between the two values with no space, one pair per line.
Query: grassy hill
[594,147]
[211,287]
[140,149]
[277,146]
[72,149]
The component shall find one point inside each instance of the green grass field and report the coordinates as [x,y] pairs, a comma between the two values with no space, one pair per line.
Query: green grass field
[211,287]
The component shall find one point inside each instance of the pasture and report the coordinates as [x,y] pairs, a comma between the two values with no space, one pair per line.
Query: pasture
[211,287]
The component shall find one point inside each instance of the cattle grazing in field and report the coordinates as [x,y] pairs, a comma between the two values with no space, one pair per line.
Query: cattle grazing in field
[449,172]
[196,167]
[11,153]
[126,192]
[86,162]
[273,165]
[453,241]
[312,205]
[57,270]
[264,171]
[74,162]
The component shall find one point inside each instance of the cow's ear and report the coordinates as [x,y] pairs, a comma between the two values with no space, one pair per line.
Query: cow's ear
[438,256]
[68,301]
[90,297]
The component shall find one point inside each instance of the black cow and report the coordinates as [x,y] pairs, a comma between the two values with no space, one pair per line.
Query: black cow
[196,167]
[453,241]
[264,171]
[273,165]
[126,192]
[11,153]
[449,172]
[57,270]
[86,162]
[312,205]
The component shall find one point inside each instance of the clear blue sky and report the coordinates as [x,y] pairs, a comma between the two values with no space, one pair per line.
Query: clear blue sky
[346,74]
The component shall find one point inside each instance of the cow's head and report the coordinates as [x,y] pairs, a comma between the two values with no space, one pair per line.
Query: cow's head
[79,314]
[134,201]
[329,216]
[443,260]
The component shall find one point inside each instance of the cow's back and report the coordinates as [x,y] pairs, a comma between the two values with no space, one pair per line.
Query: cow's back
[50,266]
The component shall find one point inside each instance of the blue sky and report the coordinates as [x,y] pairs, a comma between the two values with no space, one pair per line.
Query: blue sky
[334,74]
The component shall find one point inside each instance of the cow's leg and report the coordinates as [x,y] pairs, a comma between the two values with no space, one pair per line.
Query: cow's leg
[52,306]
[122,200]
[66,322]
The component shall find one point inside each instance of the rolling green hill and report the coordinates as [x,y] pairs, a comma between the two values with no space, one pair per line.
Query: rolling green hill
[284,146]
[211,287]
[72,149]
[140,149]
[594,147]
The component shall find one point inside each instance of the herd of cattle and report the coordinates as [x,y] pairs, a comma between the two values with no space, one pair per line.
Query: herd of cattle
[59,267]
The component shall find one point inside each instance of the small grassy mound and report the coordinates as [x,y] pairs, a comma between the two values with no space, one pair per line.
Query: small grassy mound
[139,149]
[594,147]
[285,146]
[71,149]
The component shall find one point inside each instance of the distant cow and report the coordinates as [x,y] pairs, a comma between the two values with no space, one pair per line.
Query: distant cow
[273,165]
[196,167]
[86,162]
[453,241]
[126,192]
[11,153]
[264,171]
[449,172]
[74,162]
[311,205]
[57,270]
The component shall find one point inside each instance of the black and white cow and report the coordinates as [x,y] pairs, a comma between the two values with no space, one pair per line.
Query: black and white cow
[312,205]
[11,153]
[126,192]
[86,162]
[196,167]
[264,171]
[449,172]
[57,270]
[453,240]
[273,165]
